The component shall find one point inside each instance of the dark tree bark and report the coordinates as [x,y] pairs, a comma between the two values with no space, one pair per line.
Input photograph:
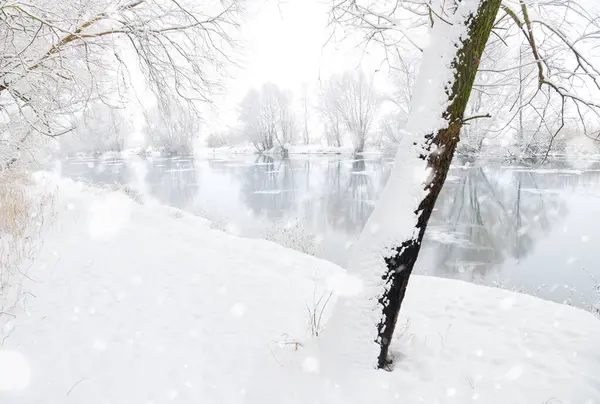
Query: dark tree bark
[401,263]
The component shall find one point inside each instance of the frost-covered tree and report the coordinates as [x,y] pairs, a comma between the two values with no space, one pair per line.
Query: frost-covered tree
[390,130]
[253,122]
[102,128]
[403,74]
[358,106]
[458,32]
[58,56]
[329,96]
[281,104]
[351,99]
[305,103]
[267,117]
[172,129]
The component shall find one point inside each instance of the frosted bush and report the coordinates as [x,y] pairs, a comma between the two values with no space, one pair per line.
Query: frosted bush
[594,306]
[217,220]
[127,190]
[581,152]
[292,235]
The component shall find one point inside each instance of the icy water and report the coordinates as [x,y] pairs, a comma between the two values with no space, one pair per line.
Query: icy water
[535,230]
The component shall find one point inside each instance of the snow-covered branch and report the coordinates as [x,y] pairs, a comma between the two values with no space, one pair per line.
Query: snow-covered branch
[57,57]
[539,53]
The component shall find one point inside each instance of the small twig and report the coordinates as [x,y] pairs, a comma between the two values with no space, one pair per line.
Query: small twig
[470,382]
[76,383]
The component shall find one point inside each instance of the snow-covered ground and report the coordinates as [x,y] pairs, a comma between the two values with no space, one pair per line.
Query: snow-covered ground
[140,303]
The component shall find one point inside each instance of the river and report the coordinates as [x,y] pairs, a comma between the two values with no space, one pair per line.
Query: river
[530,229]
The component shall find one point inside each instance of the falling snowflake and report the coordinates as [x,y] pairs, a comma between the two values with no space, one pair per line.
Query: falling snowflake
[99,345]
[514,373]
[310,365]
[238,310]
[15,372]
[173,394]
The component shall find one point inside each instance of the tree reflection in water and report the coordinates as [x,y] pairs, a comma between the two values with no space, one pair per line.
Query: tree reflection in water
[351,195]
[268,186]
[174,181]
[490,216]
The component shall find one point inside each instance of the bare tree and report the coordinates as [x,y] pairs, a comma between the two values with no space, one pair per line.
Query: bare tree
[172,129]
[283,115]
[352,99]
[536,79]
[358,106]
[329,99]
[390,129]
[102,127]
[57,56]
[267,117]
[254,122]
[389,246]
[403,73]
[305,101]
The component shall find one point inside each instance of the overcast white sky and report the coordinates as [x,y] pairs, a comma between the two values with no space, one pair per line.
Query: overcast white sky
[285,43]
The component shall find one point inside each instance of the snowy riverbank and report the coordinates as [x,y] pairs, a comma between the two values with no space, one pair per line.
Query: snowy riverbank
[575,159]
[313,149]
[140,303]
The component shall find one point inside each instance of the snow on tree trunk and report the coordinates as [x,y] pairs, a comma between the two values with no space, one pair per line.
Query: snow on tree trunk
[371,294]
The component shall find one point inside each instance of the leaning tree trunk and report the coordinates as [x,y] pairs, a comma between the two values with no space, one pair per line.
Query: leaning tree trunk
[364,319]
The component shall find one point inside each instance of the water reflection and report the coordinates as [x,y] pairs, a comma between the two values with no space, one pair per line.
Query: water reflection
[488,218]
[492,223]
[171,181]
[268,186]
[351,199]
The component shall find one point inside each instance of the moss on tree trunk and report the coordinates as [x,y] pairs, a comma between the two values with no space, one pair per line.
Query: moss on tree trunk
[401,263]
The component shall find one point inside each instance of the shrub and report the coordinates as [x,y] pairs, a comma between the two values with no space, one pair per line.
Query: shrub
[24,210]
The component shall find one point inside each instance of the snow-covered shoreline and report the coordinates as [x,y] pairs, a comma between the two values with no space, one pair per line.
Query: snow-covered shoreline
[137,303]
[579,160]
[317,150]
[312,149]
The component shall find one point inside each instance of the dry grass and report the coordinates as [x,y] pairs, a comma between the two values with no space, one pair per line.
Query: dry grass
[315,313]
[23,214]
[14,210]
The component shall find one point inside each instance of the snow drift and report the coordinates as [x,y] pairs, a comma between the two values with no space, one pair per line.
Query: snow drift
[139,303]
